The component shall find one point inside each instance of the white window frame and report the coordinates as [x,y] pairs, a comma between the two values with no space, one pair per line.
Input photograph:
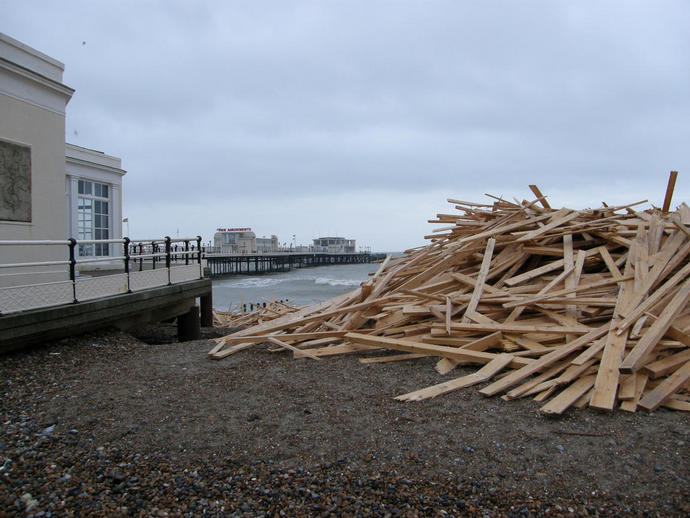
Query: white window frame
[87,192]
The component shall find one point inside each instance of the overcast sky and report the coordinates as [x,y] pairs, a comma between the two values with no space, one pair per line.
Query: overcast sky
[359,118]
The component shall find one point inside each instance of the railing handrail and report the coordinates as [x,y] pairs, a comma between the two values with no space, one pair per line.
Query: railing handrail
[100,241]
[107,258]
[23,242]
[162,240]
[42,263]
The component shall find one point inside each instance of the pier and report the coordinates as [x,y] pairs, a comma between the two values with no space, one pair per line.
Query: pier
[232,264]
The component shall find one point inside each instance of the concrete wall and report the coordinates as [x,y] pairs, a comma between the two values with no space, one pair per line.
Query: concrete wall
[32,114]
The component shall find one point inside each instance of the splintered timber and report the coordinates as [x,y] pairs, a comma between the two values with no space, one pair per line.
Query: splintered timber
[583,308]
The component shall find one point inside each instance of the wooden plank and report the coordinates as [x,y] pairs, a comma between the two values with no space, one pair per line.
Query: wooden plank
[445,365]
[302,352]
[427,273]
[293,337]
[219,355]
[485,373]
[606,384]
[666,365]
[676,404]
[569,264]
[660,261]
[669,190]
[677,260]
[630,405]
[595,348]
[666,388]
[559,218]
[537,272]
[631,314]
[505,229]
[334,350]
[540,196]
[481,278]
[604,395]
[608,261]
[437,350]
[627,387]
[584,287]
[529,385]
[544,362]
[472,282]
[449,314]
[393,358]
[570,374]
[567,397]
[657,330]
[517,328]
[583,400]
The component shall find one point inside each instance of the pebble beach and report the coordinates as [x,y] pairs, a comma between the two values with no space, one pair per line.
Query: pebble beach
[111,424]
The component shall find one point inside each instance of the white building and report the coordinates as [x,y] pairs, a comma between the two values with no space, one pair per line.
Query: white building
[334,245]
[234,241]
[243,241]
[32,158]
[93,187]
[48,190]
[267,245]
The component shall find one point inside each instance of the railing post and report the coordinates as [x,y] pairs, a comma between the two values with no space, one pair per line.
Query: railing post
[72,267]
[186,249]
[167,257]
[126,245]
[198,249]
[154,250]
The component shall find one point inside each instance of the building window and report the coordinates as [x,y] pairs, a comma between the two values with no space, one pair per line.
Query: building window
[93,206]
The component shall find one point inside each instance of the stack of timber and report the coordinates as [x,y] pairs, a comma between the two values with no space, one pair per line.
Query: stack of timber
[236,318]
[584,308]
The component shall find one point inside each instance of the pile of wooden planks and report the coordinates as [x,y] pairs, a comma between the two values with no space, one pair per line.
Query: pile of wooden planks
[571,307]
[237,318]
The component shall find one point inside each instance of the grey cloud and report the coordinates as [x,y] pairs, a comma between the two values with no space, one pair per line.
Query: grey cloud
[226,100]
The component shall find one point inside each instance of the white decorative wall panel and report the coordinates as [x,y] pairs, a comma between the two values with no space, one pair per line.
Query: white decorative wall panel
[185,273]
[104,286]
[148,279]
[19,298]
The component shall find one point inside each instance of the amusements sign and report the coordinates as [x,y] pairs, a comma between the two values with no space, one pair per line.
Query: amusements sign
[15,182]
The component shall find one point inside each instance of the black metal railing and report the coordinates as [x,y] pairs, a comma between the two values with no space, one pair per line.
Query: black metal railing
[127,256]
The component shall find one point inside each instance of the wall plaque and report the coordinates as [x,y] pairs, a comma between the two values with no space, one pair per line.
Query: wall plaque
[15,182]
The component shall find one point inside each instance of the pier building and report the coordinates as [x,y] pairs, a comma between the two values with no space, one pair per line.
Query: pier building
[334,245]
[243,241]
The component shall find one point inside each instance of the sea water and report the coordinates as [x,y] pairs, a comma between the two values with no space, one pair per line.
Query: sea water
[299,287]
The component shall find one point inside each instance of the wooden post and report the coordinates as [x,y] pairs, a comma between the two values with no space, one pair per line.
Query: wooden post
[207,310]
[669,190]
[189,325]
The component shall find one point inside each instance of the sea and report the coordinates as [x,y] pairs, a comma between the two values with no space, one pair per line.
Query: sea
[298,287]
